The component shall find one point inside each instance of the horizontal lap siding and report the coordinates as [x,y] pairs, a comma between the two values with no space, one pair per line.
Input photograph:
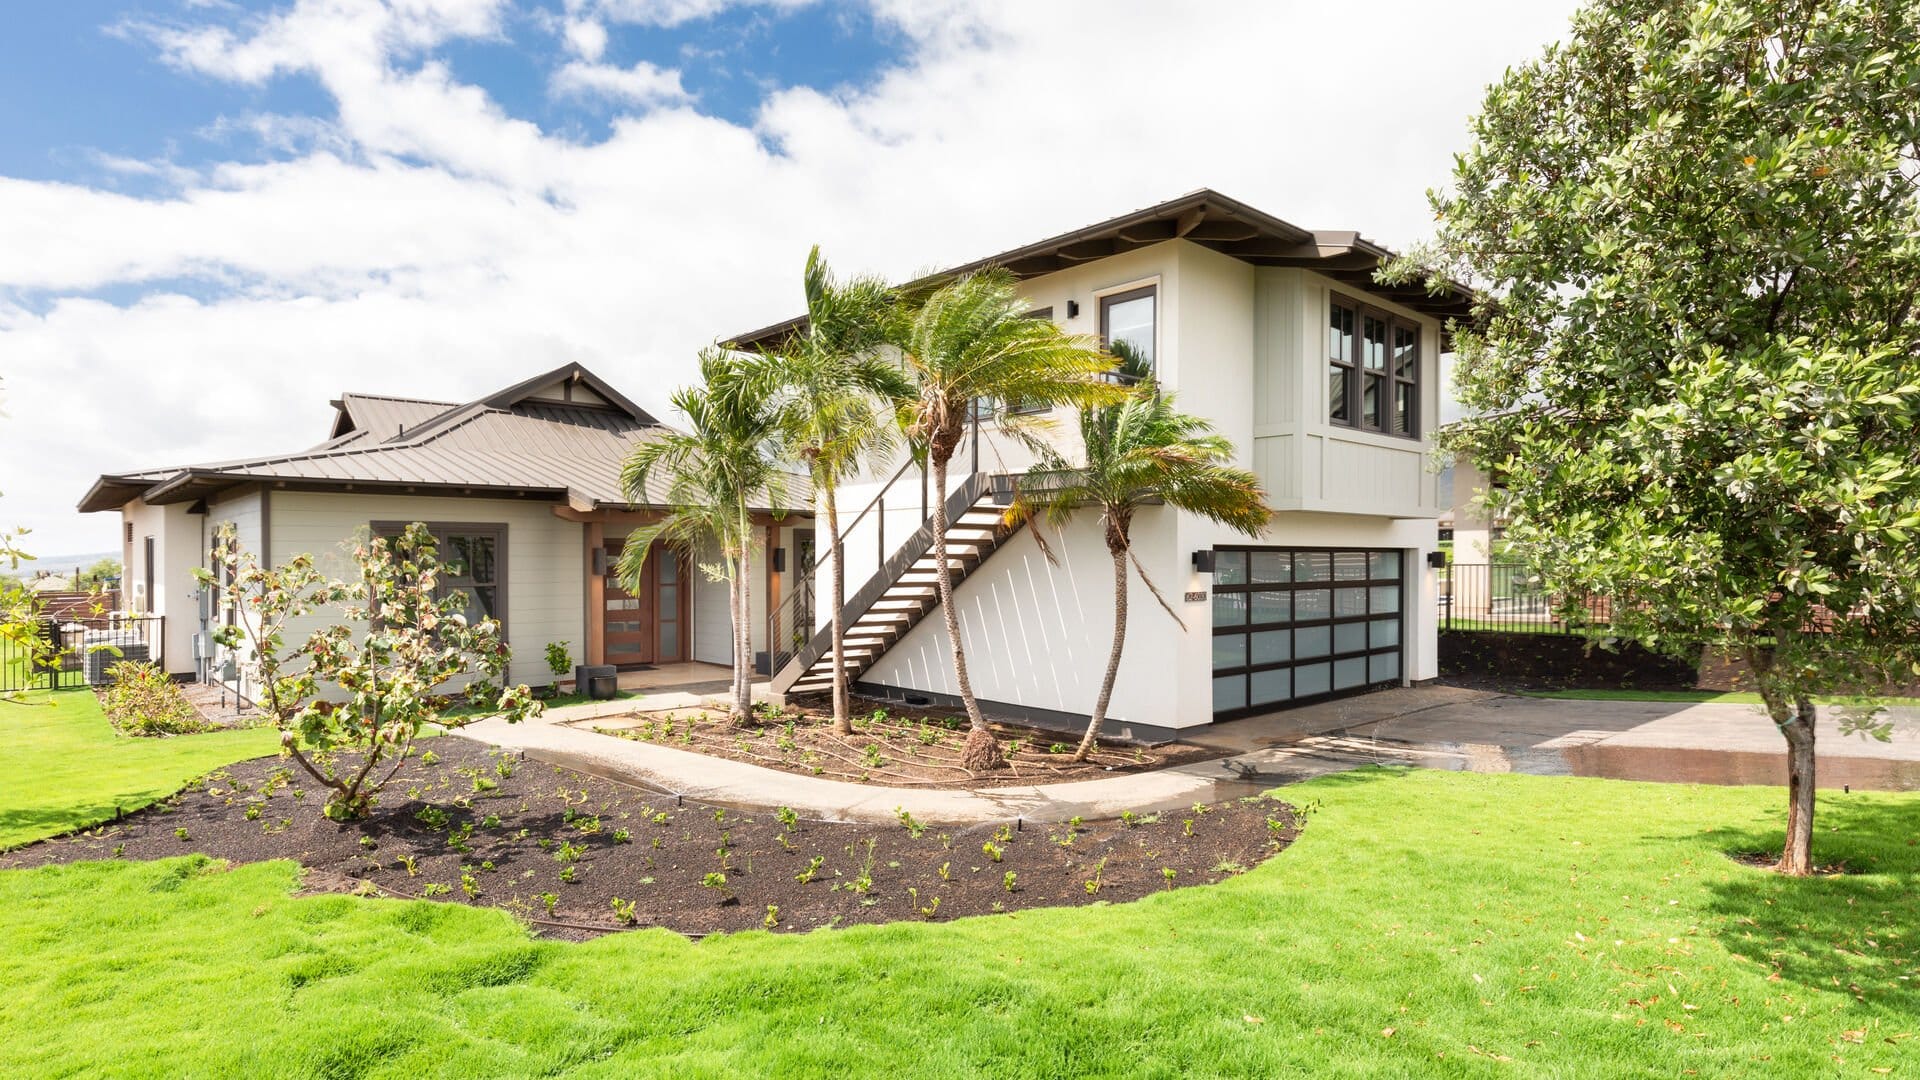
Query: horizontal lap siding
[546,587]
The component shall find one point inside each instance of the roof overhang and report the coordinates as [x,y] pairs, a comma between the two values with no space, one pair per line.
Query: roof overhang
[1206,218]
[112,493]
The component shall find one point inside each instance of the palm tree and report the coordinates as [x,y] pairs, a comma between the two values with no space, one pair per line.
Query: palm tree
[1140,451]
[836,407]
[970,345]
[712,472]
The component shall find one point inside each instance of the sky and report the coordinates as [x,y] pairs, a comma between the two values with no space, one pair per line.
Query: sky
[216,216]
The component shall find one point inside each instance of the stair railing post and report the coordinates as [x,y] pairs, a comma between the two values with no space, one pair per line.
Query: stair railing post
[976,441]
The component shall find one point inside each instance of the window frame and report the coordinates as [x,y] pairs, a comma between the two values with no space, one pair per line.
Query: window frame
[1122,294]
[1355,374]
[443,532]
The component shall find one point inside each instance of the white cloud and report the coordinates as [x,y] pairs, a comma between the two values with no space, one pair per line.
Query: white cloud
[671,12]
[422,241]
[641,84]
[586,38]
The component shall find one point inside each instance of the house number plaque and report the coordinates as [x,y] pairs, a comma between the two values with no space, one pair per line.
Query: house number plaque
[1196,597]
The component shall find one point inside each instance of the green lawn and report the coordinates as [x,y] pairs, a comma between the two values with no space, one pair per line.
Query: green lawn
[1726,697]
[1425,923]
[63,766]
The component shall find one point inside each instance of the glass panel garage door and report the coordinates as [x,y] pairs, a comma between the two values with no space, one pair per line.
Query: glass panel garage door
[1295,624]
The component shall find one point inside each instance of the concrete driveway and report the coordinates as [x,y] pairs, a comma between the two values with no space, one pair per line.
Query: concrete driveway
[1450,728]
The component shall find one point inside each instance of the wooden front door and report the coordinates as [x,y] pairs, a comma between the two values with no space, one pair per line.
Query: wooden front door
[648,628]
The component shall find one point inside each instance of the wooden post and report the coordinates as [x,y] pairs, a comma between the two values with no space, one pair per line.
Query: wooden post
[596,593]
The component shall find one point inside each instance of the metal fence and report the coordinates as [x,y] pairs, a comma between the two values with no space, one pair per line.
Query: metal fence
[1504,597]
[73,651]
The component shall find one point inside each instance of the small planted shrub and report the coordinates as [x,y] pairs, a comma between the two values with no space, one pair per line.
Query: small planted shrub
[141,700]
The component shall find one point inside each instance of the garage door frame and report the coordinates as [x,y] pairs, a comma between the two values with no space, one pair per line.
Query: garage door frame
[1303,612]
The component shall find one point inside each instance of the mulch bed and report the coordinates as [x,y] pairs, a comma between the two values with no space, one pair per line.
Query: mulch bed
[479,825]
[912,747]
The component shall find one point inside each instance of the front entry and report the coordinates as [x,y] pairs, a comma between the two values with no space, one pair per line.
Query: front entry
[648,628]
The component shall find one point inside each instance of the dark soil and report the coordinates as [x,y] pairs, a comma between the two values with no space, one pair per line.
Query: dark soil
[473,817]
[913,747]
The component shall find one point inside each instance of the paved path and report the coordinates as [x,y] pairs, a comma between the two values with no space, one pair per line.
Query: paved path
[1430,727]
[719,780]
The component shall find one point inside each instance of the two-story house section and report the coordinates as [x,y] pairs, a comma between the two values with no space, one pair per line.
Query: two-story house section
[1326,383]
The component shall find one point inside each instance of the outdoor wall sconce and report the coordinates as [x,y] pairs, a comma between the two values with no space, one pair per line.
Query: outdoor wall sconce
[1203,561]
[1073,309]
[599,561]
[779,560]
[1436,559]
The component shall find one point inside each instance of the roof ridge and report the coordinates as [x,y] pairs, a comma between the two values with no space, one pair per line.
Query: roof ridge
[397,397]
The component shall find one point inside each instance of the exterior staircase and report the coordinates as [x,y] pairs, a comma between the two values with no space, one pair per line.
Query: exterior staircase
[904,590]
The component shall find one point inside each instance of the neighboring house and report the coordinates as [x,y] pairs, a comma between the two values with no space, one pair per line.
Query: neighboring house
[521,487]
[1474,530]
[1327,384]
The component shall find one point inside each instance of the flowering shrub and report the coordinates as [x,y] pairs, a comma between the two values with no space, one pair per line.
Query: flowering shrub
[401,658]
[139,699]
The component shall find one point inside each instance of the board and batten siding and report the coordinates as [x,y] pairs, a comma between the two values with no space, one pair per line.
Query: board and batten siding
[545,558]
[1307,463]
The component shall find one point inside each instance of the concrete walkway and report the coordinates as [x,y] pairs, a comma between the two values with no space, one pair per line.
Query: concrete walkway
[1429,727]
[718,780]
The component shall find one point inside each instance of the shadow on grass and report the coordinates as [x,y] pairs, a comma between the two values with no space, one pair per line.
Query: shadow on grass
[1857,930]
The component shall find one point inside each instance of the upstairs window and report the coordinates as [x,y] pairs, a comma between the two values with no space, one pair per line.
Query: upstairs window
[1127,322]
[1373,370]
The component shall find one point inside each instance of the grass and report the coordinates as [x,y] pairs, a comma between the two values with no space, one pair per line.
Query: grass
[1697,696]
[1425,923]
[65,767]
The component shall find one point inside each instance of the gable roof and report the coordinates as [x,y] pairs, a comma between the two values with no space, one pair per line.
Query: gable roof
[378,417]
[1204,217]
[561,435]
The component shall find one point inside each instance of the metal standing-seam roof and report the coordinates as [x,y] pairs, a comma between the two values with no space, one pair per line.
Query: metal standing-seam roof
[515,441]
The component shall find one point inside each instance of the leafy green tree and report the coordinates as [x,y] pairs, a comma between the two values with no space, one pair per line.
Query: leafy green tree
[100,572]
[1136,453]
[21,630]
[399,657]
[1697,362]
[712,474]
[836,396]
[970,345]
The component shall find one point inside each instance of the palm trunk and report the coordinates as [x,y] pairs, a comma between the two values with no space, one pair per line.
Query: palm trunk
[842,714]
[1099,716]
[1795,720]
[736,612]
[980,752]
[743,633]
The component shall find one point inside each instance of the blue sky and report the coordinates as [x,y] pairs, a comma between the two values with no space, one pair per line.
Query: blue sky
[216,216]
[77,81]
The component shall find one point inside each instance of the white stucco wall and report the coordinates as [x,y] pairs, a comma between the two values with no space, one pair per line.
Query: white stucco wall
[176,536]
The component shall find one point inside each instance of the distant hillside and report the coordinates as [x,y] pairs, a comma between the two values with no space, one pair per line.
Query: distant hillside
[55,563]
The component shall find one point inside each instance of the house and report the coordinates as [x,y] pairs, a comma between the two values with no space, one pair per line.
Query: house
[1474,530]
[1328,385]
[521,488]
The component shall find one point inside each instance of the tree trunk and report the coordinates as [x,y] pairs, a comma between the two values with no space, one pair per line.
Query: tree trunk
[842,714]
[981,752]
[738,616]
[1113,656]
[1795,720]
[743,632]
[1796,857]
